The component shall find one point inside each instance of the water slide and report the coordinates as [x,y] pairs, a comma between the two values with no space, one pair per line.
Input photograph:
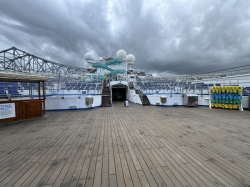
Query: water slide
[110,62]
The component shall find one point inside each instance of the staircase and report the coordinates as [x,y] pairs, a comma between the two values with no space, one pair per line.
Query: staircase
[106,102]
[145,100]
[143,97]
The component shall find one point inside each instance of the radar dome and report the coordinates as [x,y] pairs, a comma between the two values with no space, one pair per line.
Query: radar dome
[89,57]
[121,54]
[100,59]
[130,59]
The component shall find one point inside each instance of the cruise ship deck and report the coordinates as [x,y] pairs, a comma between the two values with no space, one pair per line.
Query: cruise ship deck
[128,146]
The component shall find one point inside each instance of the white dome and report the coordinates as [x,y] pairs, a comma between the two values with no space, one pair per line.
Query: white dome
[121,54]
[100,59]
[89,57]
[130,59]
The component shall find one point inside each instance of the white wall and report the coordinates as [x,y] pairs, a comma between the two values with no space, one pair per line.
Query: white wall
[176,99]
[133,97]
[204,100]
[57,103]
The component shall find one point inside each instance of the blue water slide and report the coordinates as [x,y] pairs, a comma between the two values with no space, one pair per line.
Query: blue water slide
[100,65]
[118,71]
[114,61]
[110,62]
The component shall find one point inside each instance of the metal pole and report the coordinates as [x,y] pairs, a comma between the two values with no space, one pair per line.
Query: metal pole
[39,95]
[201,91]
[4,60]
[44,98]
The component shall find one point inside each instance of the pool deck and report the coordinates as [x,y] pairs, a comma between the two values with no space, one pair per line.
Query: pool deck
[128,146]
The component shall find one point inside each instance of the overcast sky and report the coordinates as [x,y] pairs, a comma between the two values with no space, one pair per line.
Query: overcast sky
[166,36]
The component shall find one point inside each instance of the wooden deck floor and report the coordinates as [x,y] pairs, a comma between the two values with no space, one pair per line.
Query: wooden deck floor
[128,146]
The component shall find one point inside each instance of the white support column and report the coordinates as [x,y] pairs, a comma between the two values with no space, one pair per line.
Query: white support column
[241,107]
[209,101]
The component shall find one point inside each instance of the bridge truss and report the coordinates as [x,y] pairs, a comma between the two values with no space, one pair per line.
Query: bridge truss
[18,61]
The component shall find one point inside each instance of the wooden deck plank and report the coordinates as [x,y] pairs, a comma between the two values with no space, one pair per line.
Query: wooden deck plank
[98,170]
[150,173]
[151,166]
[33,158]
[22,142]
[88,133]
[193,183]
[210,155]
[111,149]
[177,161]
[81,183]
[113,182]
[160,146]
[145,168]
[92,167]
[61,177]
[132,170]
[171,166]
[49,169]
[60,171]
[128,146]
[135,160]
[125,155]
[32,169]
[118,149]
[105,159]
[143,179]
[16,159]
[79,148]
[86,165]
[199,166]
[46,163]
[159,169]
[200,137]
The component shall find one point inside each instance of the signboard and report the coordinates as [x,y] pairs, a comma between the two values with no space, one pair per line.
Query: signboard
[7,110]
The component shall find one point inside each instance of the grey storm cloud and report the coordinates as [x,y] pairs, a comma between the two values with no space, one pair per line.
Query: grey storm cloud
[176,37]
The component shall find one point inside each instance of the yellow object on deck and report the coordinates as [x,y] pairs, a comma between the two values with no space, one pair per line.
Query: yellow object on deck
[231,107]
[223,89]
[239,89]
[235,90]
[235,106]
[213,89]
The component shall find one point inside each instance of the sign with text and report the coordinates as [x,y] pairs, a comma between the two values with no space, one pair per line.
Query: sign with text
[7,110]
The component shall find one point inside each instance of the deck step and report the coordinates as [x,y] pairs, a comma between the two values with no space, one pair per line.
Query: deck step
[145,100]
[106,97]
